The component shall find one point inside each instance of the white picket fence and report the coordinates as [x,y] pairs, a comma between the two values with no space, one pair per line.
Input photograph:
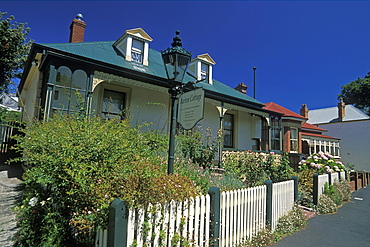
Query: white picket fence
[322,179]
[242,214]
[282,200]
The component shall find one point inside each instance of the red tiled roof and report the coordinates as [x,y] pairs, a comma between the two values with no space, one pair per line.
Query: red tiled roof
[318,135]
[278,108]
[313,127]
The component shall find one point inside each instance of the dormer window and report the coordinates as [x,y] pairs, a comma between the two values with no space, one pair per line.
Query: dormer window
[137,51]
[201,66]
[134,46]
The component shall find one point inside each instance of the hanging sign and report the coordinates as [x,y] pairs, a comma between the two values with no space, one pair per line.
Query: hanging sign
[191,108]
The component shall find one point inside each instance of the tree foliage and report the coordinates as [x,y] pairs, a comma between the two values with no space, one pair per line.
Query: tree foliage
[14,48]
[357,93]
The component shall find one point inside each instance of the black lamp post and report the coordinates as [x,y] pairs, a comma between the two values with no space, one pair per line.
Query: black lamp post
[176,60]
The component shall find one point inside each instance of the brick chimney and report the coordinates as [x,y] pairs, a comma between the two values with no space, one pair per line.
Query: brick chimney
[341,109]
[77,28]
[242,88]
[304,111]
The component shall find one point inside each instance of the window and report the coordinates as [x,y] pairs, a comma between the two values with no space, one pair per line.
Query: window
[294,140]
[70,90]
[204,72]
[137,51]
[228,130]
[275,134]
[336,149]
[113,104]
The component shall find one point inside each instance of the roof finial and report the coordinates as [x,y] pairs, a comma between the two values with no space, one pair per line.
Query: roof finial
[177,40]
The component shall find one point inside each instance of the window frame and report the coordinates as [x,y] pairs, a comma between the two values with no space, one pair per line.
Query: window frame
[294,140]
[275,128]
[137,51]
[124,104]
[204,74]
[231,130]
[69,90]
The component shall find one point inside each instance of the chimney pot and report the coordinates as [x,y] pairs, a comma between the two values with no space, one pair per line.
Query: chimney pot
[242,88]
[77,29]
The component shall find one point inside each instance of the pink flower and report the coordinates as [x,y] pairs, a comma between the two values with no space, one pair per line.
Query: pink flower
[272,152]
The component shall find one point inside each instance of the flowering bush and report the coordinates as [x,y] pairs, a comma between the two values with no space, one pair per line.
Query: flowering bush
[254,168]
[294,221]
[321,163]
[326,205]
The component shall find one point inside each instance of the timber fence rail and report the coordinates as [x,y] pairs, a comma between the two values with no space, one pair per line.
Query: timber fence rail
[7,131]
[359,180]
[216,219]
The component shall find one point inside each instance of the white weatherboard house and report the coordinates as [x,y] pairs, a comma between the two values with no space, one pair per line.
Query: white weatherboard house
[112,76]
[352,126]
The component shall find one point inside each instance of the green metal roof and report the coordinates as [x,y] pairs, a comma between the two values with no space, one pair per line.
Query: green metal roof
[104,51]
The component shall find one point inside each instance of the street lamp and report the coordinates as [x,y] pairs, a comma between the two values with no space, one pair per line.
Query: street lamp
[176,60]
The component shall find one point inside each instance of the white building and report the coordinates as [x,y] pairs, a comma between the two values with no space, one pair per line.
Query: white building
[352,126]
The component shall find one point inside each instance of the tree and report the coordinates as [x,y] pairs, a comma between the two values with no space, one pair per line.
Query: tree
[357,93]
[14,48]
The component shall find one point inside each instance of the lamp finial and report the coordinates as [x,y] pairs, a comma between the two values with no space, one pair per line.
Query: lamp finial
[177,40]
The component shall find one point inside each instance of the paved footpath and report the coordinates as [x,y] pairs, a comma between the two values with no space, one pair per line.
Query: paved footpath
[10,194]
[350,226]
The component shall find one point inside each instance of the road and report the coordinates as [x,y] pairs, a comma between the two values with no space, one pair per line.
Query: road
[350,226]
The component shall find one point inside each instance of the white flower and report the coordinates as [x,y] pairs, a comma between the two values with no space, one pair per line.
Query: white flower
[33,201]
[42,203]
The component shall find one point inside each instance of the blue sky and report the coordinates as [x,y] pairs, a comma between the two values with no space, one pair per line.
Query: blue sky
[303,51]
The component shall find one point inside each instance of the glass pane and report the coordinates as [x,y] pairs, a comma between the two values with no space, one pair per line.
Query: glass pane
[204,67]
[275,144]
[79,79]
[275,133]
[113,104]
[228,121]
[228,138]
[77,99]
[64,76]
[138,45]
[61,97]
[294,145]
[312,149]
[293,134]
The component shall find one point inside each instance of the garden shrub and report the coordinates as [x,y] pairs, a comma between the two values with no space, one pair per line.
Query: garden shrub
[200,148]
[77,166]
[326,205]
[333,193]
[255,168]
[344,189]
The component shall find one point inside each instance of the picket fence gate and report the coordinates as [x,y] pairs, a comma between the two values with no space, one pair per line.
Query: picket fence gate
[217,219]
